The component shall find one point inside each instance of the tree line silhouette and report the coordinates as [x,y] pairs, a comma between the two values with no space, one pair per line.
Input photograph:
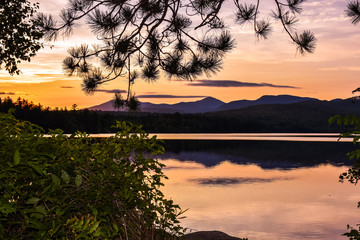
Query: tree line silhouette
[308,116]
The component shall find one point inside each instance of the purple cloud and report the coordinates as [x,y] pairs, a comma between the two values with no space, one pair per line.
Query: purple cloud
[167,96]
[7,93]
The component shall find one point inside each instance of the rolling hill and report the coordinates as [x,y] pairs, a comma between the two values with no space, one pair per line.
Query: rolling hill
[266,99]
[208,104]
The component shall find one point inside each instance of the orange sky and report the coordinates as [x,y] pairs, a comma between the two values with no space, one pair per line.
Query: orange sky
[272,65]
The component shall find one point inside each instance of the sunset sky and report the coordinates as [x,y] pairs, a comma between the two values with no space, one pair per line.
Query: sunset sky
[253,69]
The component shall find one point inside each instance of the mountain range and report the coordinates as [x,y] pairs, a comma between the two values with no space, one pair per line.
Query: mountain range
[208,104]
[268,114]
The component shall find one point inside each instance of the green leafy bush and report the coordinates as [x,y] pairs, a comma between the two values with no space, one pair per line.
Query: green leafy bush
[353,173]
[78,187]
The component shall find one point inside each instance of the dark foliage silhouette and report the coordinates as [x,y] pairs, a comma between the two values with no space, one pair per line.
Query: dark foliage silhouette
[19,34]
[77,187]
[353,11]
[352,174]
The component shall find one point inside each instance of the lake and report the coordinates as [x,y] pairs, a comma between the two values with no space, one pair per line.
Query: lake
[262,189]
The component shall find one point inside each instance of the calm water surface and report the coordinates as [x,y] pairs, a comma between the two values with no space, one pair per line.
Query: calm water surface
[262,189]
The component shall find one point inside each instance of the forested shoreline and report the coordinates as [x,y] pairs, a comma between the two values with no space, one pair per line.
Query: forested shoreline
[308,116]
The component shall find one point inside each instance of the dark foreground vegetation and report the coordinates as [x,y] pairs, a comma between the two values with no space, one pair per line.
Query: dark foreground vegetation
[308,116]
[352,174]
[76,187]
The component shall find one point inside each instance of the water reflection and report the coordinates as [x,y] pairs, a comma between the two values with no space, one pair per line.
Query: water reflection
[266,154]
[266,191]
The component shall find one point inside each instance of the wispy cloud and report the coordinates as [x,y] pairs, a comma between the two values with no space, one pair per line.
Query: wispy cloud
[232,83]
[346,68]
[7,93]
[354,68]
[167,96]
[111,91]
[66,87]
[18,80]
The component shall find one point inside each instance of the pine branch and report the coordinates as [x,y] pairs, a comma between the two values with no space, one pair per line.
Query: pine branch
[156,36]
[353,11]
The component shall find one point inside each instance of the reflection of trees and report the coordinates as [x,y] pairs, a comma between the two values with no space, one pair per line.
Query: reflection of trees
[266,154]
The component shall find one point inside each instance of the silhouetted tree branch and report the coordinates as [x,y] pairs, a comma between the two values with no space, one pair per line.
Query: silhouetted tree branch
[19,33]
[140,38]
[353,11]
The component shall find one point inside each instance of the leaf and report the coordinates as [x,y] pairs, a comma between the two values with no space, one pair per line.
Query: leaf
[6,207]
[38,169]
[54,230]
[78,180]
[33,200]
[65,176]
[41,209]
[94,227]
[16,157]
[86,223]
[97,233]
[39,212]
[115,227]
[56,180]
[95,211]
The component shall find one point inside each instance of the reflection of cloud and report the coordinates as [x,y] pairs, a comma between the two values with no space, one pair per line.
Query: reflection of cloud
[7,93]
[306,233]
[66,87]
[231,83]
[229,181]
[111,91]
[166,96]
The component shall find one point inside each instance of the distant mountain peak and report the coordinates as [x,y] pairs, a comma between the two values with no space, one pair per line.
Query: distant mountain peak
[283,96]
[265,99]
[207,104]
[211,99]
